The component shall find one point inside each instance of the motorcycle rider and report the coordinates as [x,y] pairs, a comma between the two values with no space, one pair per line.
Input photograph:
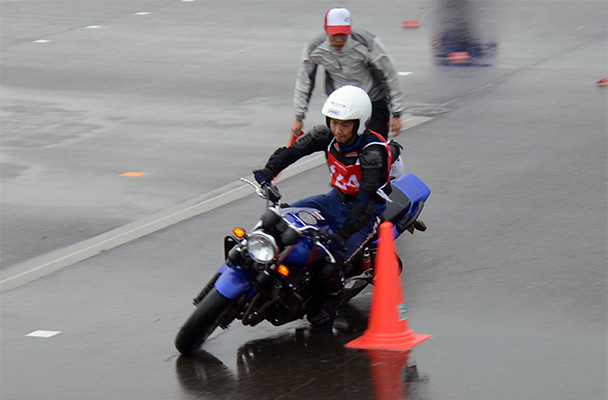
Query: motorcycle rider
[359,161]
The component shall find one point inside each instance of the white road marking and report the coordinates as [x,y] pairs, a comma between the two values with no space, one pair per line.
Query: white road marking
[43,334]
[41,41]
[92,27]
[142,13]
[404,73]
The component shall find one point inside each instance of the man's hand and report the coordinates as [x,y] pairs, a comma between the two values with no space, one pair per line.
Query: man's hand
[336,242]
[263,176]
[394,126]
[296,127]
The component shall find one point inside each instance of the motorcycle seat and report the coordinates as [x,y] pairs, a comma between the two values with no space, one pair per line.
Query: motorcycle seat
[398,208]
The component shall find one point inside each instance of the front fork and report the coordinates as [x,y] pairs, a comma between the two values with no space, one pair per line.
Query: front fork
[197,300]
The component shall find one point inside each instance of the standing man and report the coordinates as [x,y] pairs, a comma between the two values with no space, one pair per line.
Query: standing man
[350,58]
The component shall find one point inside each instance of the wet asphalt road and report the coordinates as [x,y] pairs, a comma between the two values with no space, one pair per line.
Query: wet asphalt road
[510,278]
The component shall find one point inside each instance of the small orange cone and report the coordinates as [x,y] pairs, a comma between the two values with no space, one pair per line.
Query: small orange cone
[602,82]
[460,57]
[410,24]
[388,323]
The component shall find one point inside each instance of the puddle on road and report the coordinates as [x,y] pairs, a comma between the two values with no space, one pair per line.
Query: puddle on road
[303,364]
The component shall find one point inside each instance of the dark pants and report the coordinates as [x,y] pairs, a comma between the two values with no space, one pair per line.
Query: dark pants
[380,117]
[336,212]
[329,274]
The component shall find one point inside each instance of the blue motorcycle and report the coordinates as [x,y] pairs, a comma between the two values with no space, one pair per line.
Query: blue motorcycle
[269,273]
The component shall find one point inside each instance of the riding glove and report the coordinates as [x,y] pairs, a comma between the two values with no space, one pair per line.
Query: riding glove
[336,242]
[263,176]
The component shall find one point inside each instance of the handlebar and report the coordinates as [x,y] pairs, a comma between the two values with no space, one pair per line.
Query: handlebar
[267,191]
[271,194]
[258,189]
[318,237]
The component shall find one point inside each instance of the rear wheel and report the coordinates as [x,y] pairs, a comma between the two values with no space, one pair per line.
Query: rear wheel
[202,322]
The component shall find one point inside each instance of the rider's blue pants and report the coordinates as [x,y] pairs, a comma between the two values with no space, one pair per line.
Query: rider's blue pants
[336,212]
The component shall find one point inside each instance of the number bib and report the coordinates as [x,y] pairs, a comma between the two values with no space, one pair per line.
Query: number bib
[345,178]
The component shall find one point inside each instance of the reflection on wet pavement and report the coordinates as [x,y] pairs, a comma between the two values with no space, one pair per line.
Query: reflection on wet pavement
[305,364]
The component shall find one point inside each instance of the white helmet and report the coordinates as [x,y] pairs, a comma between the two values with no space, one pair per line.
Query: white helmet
[349,103]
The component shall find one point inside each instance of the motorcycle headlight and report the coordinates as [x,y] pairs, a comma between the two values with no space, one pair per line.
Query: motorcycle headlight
[262,247]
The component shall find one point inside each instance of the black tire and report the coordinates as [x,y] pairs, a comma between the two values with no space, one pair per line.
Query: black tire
[202,322]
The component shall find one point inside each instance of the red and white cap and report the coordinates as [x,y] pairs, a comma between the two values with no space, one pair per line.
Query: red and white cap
[337,20]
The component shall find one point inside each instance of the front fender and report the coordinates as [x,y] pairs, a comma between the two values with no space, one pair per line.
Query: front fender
[233,281]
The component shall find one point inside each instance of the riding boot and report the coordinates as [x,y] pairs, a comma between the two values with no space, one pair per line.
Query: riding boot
[332,281]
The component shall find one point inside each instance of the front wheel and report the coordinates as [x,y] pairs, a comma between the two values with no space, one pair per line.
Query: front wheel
[202,322]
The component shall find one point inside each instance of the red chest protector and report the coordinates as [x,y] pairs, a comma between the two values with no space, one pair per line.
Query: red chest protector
[347,178]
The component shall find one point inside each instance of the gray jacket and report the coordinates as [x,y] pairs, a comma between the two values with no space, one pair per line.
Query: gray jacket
[362,62]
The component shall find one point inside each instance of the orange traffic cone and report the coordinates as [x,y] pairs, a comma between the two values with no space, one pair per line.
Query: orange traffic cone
[388,323]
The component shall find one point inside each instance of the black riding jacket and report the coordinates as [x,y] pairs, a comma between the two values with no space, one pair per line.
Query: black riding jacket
[360,172]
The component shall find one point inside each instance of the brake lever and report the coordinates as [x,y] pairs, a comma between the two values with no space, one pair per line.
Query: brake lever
[258,189]
[319,236]
[331,257]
